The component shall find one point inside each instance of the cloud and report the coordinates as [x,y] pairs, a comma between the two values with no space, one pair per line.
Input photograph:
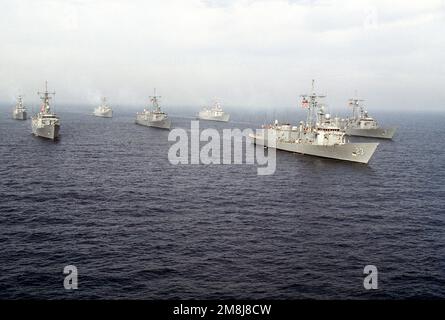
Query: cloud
[250,54]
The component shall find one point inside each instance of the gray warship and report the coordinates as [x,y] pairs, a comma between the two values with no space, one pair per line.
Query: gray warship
[215,113]
[46,124]
[19,112]
[104,110]
[153,118]
[319,136]
[363,125]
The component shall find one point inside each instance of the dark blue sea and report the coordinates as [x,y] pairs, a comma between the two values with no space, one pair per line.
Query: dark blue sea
[105,198]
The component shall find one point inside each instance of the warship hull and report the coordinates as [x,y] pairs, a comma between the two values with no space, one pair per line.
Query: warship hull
[354,152]
[106,114]
[223,118]
[21,115]
[47,131]
[161,124]
[382,133]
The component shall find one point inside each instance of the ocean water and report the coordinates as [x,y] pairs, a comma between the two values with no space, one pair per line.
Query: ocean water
[105,199]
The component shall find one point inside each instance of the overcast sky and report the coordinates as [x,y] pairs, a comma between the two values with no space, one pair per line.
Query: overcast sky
[245,53]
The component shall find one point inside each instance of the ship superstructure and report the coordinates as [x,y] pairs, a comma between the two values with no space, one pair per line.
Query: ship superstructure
[19,112]
[154,117]
[46,124]
[362,124]
[215,113]
[104,110]
[318,136]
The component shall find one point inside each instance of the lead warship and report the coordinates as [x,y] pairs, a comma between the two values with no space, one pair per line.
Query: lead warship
[154,118]
[215,113]
[19,112]
[363,125]
[104,110]
[319,136]
[46,124]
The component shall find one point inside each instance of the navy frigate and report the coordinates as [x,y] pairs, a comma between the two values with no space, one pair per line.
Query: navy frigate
[104,110]
[46,124]
[214,113]
[363,125]
[319,136]
[155,117]
[19,112]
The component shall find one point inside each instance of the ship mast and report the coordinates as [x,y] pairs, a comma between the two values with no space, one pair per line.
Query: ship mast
[20,101]
[45,96]
[357,108]
[313,104]
[154,100]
